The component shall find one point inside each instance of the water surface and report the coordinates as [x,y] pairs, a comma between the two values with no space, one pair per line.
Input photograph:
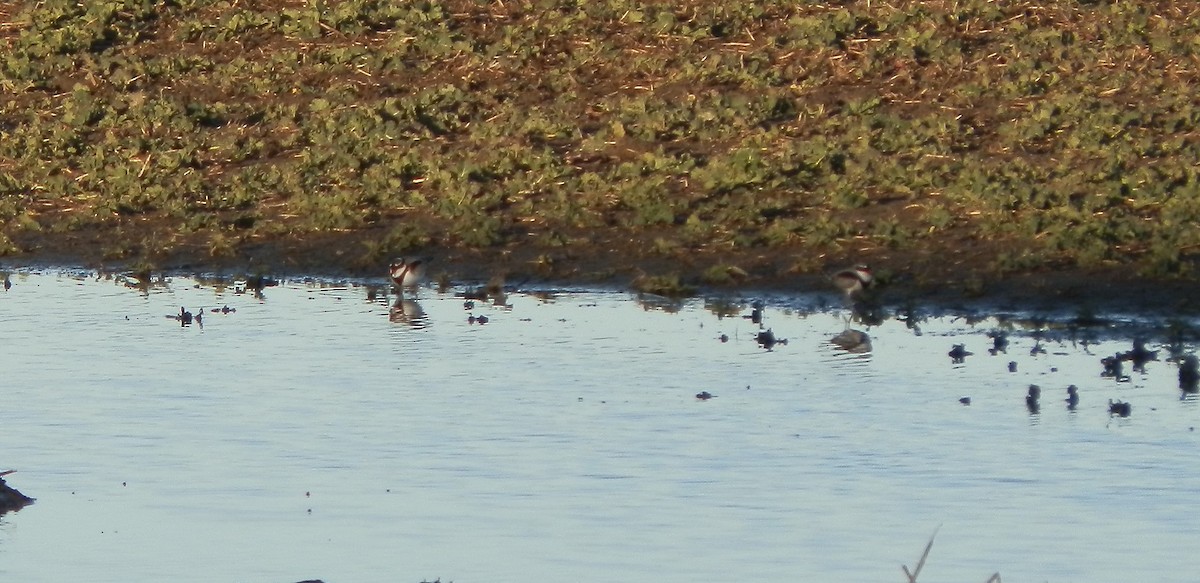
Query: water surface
[314,432]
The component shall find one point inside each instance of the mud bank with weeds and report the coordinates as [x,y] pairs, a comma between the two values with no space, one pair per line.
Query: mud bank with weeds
[963,148]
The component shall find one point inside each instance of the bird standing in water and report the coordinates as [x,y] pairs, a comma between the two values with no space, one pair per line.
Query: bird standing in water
[407,273]
[1031,398]
[1189,374]
[1119,409]
[854,280]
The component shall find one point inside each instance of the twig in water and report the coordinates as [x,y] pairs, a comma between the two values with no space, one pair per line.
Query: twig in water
[912,577]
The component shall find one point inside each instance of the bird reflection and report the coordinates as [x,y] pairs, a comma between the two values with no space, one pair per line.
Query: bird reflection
[494,291]
[867,313]
[853,341]
[406,311]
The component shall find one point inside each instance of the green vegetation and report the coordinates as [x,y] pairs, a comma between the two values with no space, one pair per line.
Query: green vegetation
[930,135]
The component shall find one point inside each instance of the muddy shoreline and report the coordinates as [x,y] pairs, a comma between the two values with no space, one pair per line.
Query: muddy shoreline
[994,182]
[962,277]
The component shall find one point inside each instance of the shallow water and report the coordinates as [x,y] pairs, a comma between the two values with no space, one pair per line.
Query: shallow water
[308,435]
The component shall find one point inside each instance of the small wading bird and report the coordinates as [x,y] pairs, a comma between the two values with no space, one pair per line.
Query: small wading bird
[853,281]
[958,353]
[1189,374]
[1119,409]
[406,273]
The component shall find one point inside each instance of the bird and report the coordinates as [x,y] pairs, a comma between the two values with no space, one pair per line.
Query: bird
[999,342]
[767,339]
[407,273]
[1031,399]
[1113,368]
[958,353]
[1072,397]
[1140,355]
[756,315]
[853,280]
[1189,374]
[1119,409]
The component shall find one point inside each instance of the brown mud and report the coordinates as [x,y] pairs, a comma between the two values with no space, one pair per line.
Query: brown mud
[948,272]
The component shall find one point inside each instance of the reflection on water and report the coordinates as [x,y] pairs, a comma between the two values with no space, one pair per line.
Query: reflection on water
[303,429]
[405,311]
[852,341]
